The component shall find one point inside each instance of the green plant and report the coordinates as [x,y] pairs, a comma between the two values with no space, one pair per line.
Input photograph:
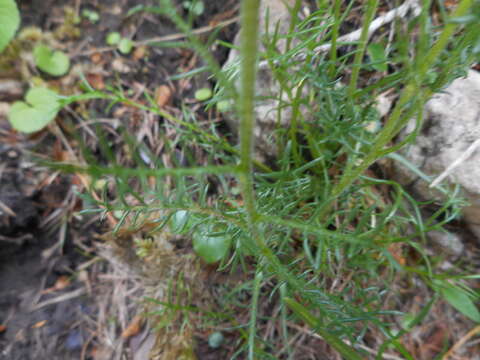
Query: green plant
[125,46]
[91,15]
[203,94]
[55,63]
[39,109]
[376,51]
[461,297]
[9,22]
[113,38]
[211,242]
[316,216]
[196,7]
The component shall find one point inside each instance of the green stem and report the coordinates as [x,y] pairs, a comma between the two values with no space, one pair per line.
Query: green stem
[357,62]
[248,49]
[253,315]
[335,29]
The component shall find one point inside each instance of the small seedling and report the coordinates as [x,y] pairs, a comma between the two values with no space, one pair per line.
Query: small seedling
[113,38]
[195,7]
[125,46]
[9,22]
[203,94]
[54,63]
[91,15]
[39,109]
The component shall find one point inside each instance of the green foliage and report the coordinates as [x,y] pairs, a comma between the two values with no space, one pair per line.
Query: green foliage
[196,7]
[313,217]
[9,22]
[203,94]
[376,51]
[39,109]
[91,15]
[212,242]
[55,63]
[223,105]
[348,352]
[180,223]
[113,38]
[125,46]
[460,298]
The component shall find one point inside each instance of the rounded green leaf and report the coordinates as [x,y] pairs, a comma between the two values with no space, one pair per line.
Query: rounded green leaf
[9,22]
[54,63]
[223,105]
[203,94]
[40,107]
[211,246]
[113,38]
[125,46]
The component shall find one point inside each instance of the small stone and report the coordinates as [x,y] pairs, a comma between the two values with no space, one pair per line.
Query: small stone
[451,125]
[119,65]
[267,87]
[215,340]
[450,242]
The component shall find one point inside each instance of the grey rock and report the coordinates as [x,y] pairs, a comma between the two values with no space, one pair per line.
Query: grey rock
[449,242]
[451,125]
[266,110]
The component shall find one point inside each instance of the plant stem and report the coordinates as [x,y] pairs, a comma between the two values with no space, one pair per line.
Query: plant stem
[336,27]
[249,21]
[253,314]
[357,62]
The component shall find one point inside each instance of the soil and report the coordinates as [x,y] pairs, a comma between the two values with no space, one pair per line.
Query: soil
[31,261]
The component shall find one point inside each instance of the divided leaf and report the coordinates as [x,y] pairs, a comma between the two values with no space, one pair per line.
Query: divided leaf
[303,313]
[40,108]
[54,63]
[9,22]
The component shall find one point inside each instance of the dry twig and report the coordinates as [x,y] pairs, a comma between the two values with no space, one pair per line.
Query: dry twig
[463,340]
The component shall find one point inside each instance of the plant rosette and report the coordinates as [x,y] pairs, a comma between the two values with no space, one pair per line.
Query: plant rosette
[41,106]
